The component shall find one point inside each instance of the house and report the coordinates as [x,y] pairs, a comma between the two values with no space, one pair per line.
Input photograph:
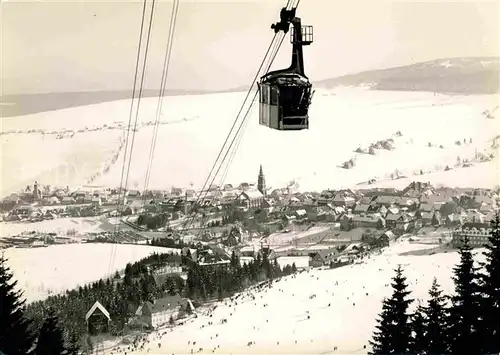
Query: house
[405,201]
[96,201]
[346,222]
[433,198]
[301,214]
[134,207]
[426,218]
[361,208]
[454,219]
[343,199]
[404,223]
[385,200]
[133,193]
[401,221]
[380,209]
[474,216]
[301,262]
[385,239]
[251,199]
[368,221]
[425,207]
[67,200]
[157,313]
[317,260]
[97,319]
[477,233]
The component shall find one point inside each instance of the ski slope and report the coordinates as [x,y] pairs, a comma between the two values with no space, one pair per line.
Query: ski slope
[194,128]
[342,313]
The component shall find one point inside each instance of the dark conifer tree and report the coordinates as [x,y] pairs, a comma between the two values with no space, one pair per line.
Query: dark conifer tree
[51,337]
[465,305]
[418,328]
[436,326]
[15,337]
[490,289]
[381,342]
[393,335]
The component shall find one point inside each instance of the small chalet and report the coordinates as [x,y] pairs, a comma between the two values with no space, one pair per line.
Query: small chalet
[97,319]
[386,239]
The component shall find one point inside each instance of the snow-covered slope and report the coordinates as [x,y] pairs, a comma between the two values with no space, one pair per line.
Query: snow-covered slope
[342,305]
[195,127]
[44,271]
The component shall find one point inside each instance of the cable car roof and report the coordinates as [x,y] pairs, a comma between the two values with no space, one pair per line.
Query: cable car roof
[283,78]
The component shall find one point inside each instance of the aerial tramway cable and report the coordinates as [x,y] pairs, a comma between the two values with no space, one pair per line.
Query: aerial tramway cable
[240,137]
[166,65]
[140,89]
[205,189]
[123,184]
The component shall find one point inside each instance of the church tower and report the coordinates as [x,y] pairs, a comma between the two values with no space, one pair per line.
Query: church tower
[261,182]
[36,193]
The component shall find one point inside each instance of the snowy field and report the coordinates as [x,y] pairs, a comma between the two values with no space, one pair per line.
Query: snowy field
[343,310]
[44,271]
[61,226]
[194,128]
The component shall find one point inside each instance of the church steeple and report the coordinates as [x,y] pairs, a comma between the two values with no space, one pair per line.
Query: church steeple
[261,182]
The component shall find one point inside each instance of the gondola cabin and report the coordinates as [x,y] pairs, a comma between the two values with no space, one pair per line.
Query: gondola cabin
[284,103]
[285,95]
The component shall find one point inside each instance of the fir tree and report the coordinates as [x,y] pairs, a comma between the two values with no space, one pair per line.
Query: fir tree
[51,339]
[15,337]
[393,335]
[465,305]
[382,342]
[418,328]
[490,287]
[436,326]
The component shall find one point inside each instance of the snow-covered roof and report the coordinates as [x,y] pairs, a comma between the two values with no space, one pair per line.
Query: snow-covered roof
[252,194]
[99,306]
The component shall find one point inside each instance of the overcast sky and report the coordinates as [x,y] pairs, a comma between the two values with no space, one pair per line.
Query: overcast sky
[70,45]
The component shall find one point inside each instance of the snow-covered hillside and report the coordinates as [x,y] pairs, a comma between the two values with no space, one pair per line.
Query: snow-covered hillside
[195,127]
[310,313]
[44,271]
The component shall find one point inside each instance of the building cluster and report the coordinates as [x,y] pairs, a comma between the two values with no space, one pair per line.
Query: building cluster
[232,215]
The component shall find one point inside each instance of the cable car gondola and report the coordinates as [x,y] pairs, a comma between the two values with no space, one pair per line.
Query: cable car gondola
[285,95]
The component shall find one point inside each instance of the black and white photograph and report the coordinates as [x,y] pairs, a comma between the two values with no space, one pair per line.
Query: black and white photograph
[240,177]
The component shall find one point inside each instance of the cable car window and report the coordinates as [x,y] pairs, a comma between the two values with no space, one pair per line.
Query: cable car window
[274,95]
[265,94]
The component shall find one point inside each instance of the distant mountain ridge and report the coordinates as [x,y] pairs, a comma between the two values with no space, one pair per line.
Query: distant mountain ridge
[466,75]
[469,75]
